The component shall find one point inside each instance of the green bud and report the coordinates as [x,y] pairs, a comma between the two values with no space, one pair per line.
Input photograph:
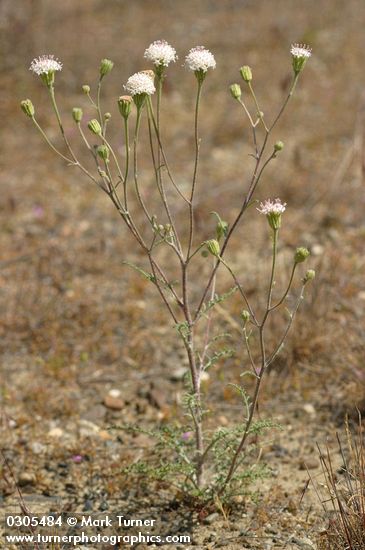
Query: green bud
[106,66]
[245,316]
[86,89]
[107,116]
[246,73]
[77,114]
[27,107]
[221,229]
[301,254]
[125,105]
[103,152]
[94,127]
[279,146]
[235,91]
[309,276]
[213,247]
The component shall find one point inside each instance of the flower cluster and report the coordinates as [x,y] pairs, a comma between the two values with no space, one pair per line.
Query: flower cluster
[200,59]
[300,53]
[140,83]
[270,207]
[300,50]
[272,210]
[160,53]
[45,64]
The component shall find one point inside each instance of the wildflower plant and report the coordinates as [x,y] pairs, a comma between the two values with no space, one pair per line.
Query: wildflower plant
[210,462]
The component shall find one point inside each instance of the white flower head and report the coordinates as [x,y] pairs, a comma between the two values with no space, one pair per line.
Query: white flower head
[272,210]
[200,59]
[45,64]
[272,207]
[160,53]
[140,83]
[300,51]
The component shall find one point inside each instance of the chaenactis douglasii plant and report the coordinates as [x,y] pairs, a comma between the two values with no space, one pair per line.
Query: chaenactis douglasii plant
[211,464]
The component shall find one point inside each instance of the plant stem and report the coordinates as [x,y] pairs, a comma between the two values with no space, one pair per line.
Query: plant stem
[196,164]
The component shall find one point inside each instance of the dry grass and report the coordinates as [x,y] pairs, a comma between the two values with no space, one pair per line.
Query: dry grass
[344,496]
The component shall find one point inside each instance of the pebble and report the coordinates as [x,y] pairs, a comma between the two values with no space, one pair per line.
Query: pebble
[114,393]
[88,505]
[211,518]
[37,447]
[88,429]
[311,463]
[26,478]
[309,409]
[317,250]
[178,374]
[97,412]
[55,432]
[305,544]
[113,403]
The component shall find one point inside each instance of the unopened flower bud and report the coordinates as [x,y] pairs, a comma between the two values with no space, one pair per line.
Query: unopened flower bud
[279,146]
[246,73]
[27,107]
[221,229]
[245,316]
[125,105]
[235,91]
[213,247]
[106,66]
[77,114]
[309,276]
[107,116]
[301,254]
[103,152]
[86,89]
[94,127]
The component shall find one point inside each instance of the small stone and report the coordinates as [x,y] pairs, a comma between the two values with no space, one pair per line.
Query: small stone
[26,478]
[223,420]
[305,543]
[309,409]
[88,505]
[88,429]
[113,403]
[178,374]
[97,412]
[317,250]
[311,463]
[114,393]
[37,447]
[156,398]
[55,432]
[211,518]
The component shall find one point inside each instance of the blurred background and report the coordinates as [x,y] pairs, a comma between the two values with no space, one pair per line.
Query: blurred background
[75,322]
